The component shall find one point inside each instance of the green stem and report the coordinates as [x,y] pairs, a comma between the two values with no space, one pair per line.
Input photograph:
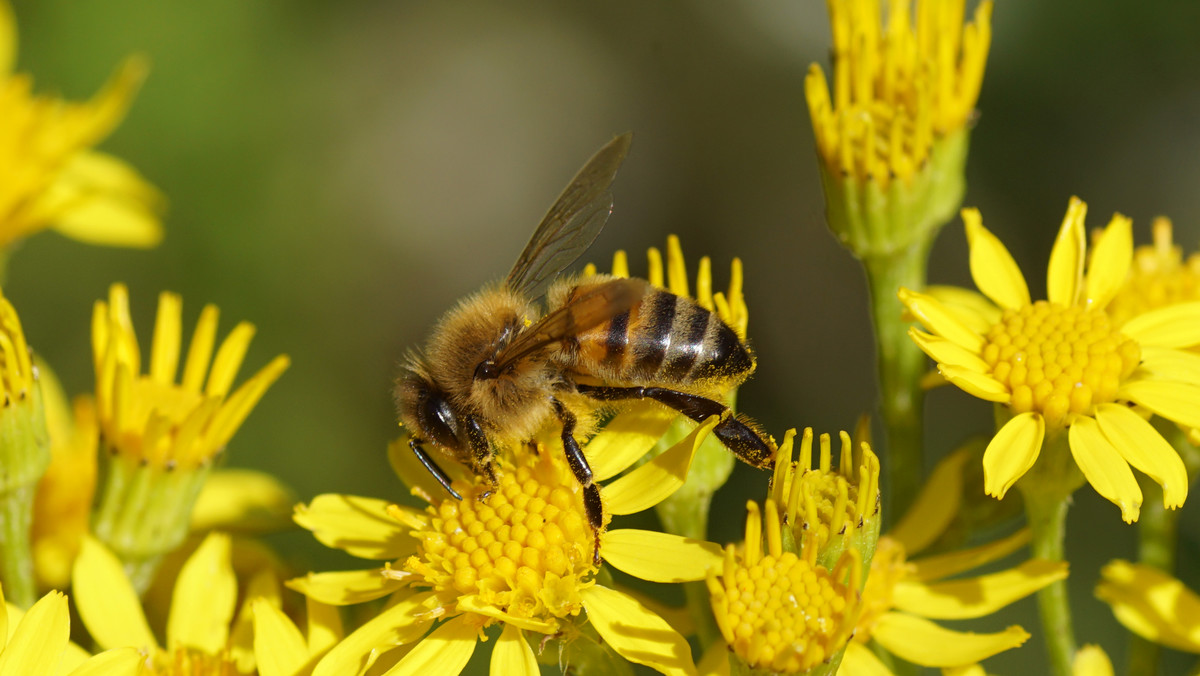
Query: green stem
[24,458]
[16,564]
[901,365]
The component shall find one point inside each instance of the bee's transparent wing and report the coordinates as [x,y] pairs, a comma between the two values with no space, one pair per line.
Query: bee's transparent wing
[572,223]
[590,308]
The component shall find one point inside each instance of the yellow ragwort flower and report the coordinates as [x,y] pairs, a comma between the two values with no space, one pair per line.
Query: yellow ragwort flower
[1062,365]
[1160,276]
[37,642]
[521,557]
[204,635]
[902,596]
[780,611]
[1152,604]
[52,178]
[898,86]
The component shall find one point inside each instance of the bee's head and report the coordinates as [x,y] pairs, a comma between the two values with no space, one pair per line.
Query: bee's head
[425,409]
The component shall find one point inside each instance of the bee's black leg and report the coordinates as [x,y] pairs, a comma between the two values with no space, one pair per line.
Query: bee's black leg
[583,473]
[481,452]
[737,434]
[437,472]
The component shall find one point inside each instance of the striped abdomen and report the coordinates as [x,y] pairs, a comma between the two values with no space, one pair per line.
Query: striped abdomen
[663,340]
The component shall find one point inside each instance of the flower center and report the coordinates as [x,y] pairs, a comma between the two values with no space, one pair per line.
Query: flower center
[835,502]
[783,613]
[191,662]
[1058,360]
[888,567]
[522,552]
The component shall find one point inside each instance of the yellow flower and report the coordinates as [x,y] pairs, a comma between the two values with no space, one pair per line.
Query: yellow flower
[897,87]
[1159,277]
[204,638]
[37,642]
[522,557]
[903,596]
[63,502]
[1061,365]
[52,177]
[781,611]
[1152,604]
[1091,660]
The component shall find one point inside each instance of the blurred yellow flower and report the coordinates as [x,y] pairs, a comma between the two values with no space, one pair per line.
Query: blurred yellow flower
[37,642]
[902,596]
[52,177]
[522,558]
[1152,604]
[1159,276]
[1062,366]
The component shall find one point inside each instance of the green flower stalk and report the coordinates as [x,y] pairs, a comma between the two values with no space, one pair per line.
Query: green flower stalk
[892,145]
[24,455]
[159,437]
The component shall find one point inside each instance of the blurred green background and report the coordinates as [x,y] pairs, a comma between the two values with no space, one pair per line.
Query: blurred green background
[340,173]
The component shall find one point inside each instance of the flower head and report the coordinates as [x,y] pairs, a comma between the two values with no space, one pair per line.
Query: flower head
[903,596]
[780,610]
[52,177]
[1063,366]
[521,557]
[1152,604]
[1160,276]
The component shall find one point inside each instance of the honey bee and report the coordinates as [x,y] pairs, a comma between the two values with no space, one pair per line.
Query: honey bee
[495,369]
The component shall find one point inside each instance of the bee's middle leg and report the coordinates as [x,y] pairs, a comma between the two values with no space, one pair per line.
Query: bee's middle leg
[583,473]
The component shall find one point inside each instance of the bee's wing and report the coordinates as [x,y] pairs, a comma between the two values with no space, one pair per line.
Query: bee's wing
[572,223]
[592,307]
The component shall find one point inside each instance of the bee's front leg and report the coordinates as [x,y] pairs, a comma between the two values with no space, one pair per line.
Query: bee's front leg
[434,469]
[481,455]
[583,473]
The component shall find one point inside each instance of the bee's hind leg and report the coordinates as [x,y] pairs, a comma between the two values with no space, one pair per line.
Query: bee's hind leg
[583,473]
[737,433]
[429,464]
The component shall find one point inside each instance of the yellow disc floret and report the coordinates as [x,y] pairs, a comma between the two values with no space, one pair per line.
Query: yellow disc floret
[523,551]
[1060,361]
[782,611]
[188,662]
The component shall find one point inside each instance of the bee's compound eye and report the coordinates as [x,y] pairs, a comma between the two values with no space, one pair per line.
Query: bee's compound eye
[438,421]
[487,370]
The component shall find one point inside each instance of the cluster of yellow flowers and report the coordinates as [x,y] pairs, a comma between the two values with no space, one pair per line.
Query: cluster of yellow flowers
[117,497]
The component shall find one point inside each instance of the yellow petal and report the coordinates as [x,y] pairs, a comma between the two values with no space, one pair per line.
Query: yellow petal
[1104,468]
[341,588]
[1171,364]
[324,626]
[1152,604]
[992,267]
[242,499]
[1111,258]
[204,599]
[1175,326]
[473,604]
[1143,447]
[1066,258]
[39,640]
[360,526]
[941,320]
[115,662]
[941,566]
[402,623]
[627,437]
[656,480]
[935,506]
[98,199]
[279,647]
[635,633]
[715,661]
[922,642]
[1175,401]
[1012,452]
[977,596]
[947,352]
[512,655]
[109,607]
[1090,660]
[660,557]
[858,660]
[8,39]
[969,670]
[971,307]
[446,650]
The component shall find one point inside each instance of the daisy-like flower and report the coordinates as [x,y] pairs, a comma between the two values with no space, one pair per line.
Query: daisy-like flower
[1160,276]
[38,642]
[521,558]
[204,636]
[781,611]
[894,131]
[160,436]
[903,597]
[52,177]
[1152,604]
[1062,367]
